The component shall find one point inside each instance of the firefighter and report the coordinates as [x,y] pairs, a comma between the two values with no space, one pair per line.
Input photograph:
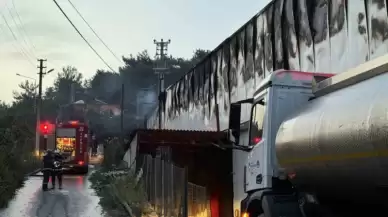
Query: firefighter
[57,169]
[47,165]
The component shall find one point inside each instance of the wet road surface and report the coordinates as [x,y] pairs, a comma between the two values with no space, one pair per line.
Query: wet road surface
[76,199]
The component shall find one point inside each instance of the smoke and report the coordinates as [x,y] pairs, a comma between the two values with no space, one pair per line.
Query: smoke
[146,101]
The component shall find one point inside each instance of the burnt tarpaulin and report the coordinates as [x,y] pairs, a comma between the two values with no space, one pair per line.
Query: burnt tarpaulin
[223,92]
[233,82]
[206,91]
[201,92]
[185,95]
[241,85]
[213,90]
[278,35]
[179,96]
[168,110]
[377,28]
[268,42]
[357,35]
[305,37]
[290,42]
[259,61]
[191,89]
[249,73]
[196,84]
[173,102]
[320,25]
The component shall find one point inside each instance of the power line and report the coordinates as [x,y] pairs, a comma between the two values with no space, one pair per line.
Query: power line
[106,46]
[76,29]
[22,24]
[14,36]
[18,27]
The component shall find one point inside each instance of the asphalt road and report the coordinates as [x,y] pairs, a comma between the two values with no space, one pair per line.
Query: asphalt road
[76,199]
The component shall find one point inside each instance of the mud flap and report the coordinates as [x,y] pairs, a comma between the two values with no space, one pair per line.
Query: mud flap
[281,206]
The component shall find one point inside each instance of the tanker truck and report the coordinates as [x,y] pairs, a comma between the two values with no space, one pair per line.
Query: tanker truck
[315,136]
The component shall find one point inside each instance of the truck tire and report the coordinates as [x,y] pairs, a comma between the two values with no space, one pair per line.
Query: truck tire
[84,170]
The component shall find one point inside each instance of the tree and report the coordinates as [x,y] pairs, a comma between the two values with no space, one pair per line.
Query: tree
[28,92]
[199,55]
[104,85]
[63,83]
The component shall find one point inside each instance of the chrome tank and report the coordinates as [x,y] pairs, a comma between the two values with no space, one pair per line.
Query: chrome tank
[338,143]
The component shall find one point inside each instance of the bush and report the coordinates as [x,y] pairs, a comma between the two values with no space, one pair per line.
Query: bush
[119,191]
[113,154]
[116,185]
[16,159]
[131,193]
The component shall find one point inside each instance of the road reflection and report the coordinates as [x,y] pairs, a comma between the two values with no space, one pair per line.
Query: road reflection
[75,200]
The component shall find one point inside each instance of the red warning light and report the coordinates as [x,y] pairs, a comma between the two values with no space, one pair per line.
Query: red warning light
[256,140]
[73,122]
[45,128]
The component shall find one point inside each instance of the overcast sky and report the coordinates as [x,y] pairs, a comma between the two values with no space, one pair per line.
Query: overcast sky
[127,26]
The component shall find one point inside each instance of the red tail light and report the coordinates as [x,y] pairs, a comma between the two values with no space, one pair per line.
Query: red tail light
[80,163]
[291,175]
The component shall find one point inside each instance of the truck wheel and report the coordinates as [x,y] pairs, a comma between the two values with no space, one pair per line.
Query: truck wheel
[84,170]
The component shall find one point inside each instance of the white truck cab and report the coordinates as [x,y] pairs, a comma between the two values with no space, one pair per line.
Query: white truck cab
[269,192]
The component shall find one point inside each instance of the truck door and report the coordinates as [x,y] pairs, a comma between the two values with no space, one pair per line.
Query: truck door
[257,158]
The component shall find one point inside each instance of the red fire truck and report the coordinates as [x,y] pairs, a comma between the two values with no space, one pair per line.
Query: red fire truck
[72,139]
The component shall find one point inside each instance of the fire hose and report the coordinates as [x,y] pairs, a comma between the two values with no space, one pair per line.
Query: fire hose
[56,164]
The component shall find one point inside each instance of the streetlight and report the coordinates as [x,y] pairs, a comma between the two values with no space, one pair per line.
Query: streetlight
[24,76]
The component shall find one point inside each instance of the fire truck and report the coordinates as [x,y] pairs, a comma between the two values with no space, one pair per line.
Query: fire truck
[72,136]
[72,139]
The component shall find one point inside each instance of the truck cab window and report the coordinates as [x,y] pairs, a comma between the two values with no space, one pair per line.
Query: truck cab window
[257,121]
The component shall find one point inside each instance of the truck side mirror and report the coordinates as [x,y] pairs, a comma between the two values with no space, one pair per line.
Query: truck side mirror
[234,122]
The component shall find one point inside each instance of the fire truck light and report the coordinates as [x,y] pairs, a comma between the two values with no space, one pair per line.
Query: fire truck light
[245,214]
[80,163]
[73,122]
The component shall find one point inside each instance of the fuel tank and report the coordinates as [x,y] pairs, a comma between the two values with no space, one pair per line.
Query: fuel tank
[338,143]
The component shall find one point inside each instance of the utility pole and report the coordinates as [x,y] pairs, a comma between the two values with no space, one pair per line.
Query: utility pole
[39,103]
[122,114]
[72,93]
[161,69]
